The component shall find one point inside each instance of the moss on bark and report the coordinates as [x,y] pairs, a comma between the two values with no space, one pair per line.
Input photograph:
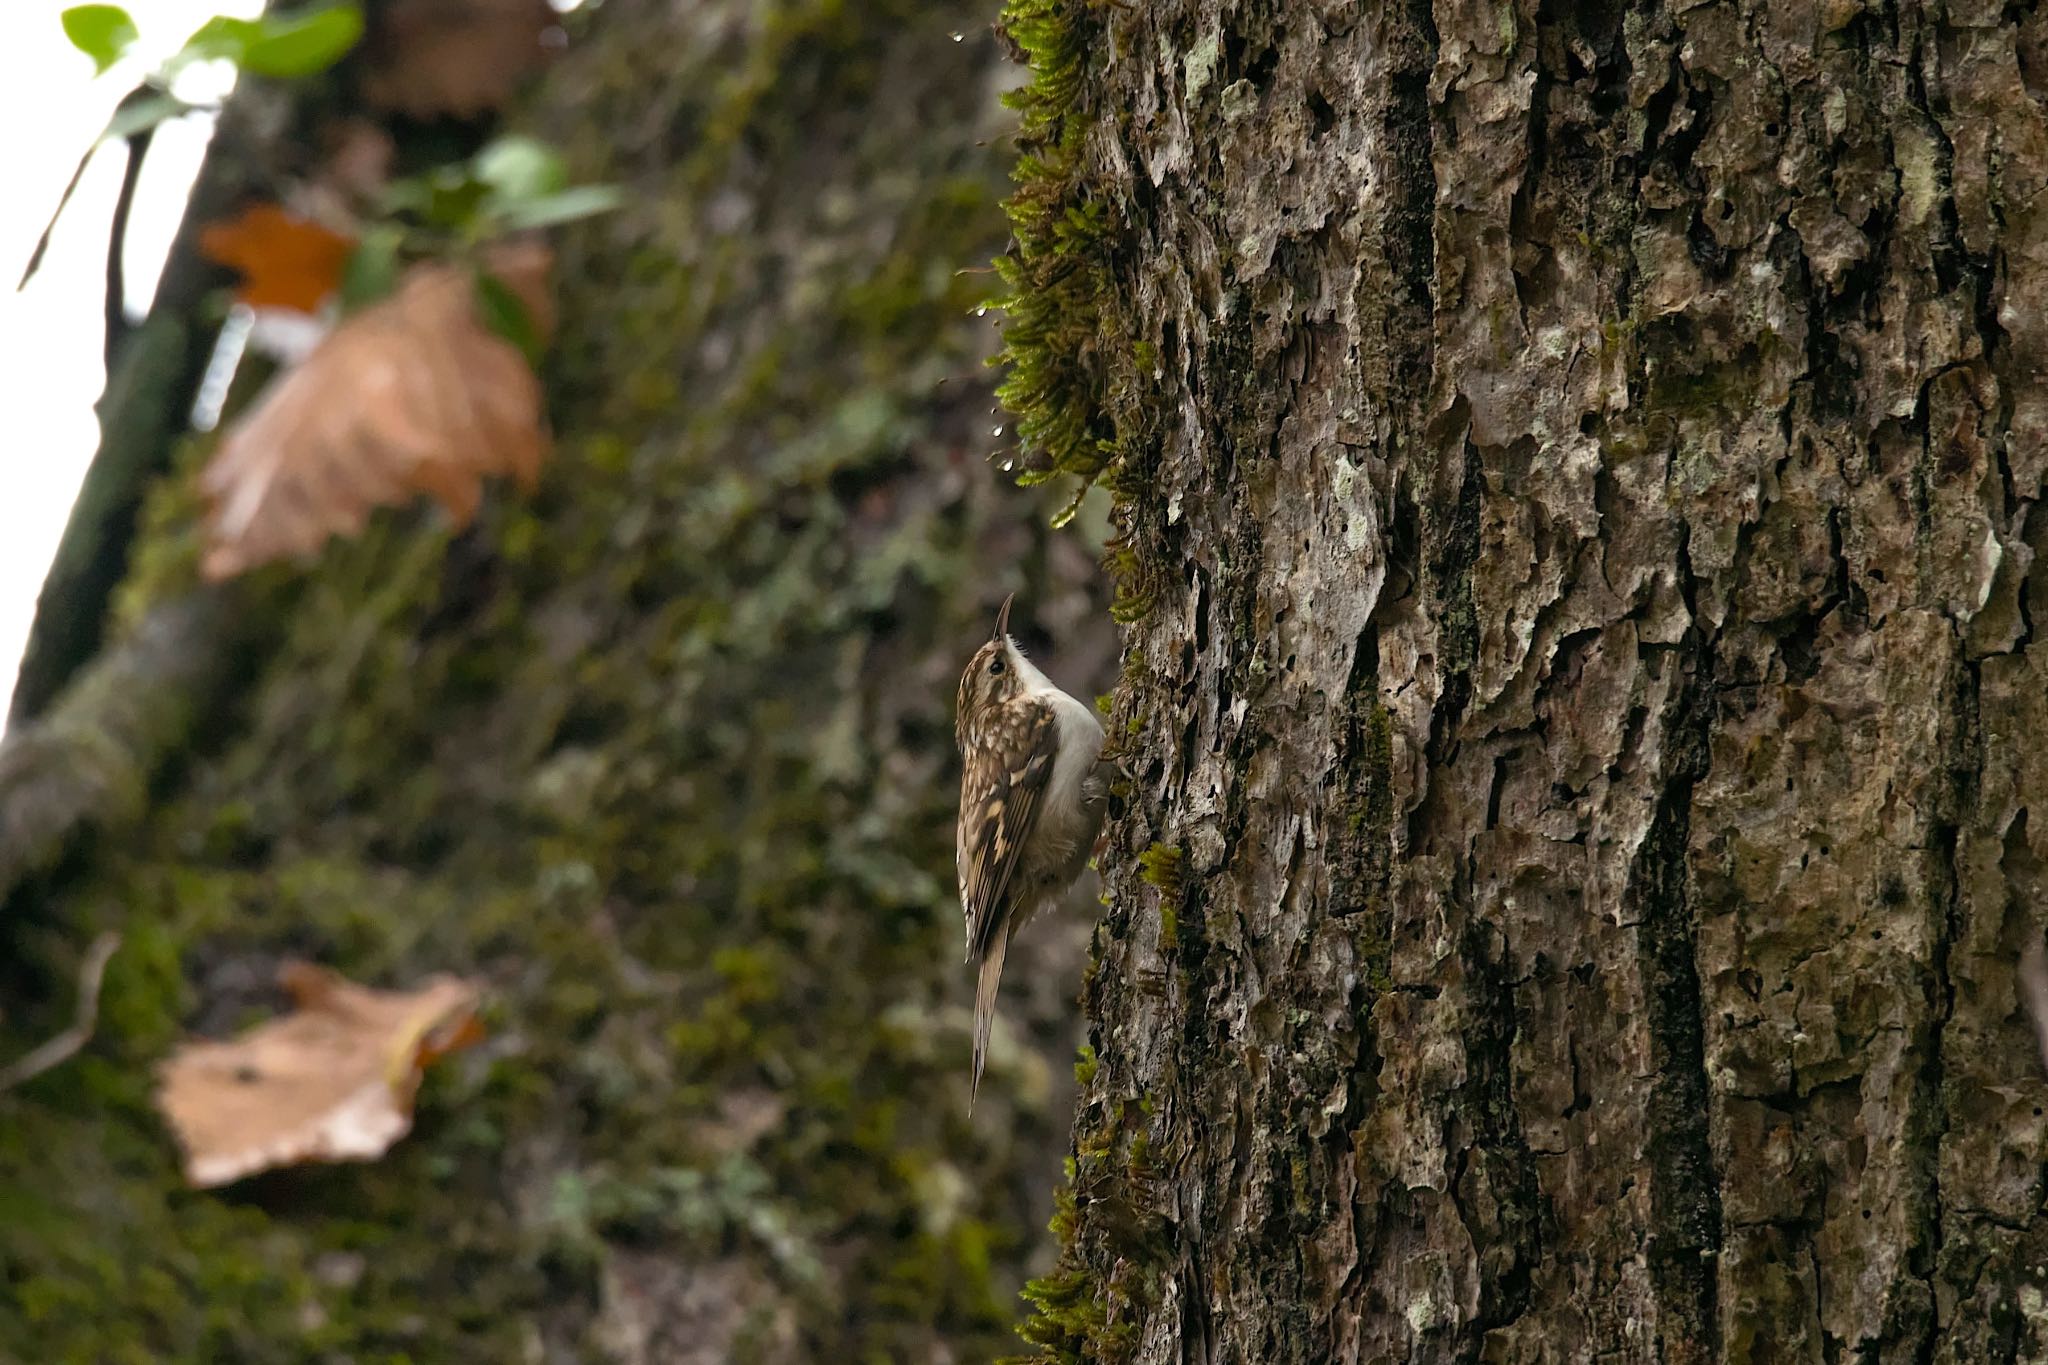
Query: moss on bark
[663,755]
[1591,732]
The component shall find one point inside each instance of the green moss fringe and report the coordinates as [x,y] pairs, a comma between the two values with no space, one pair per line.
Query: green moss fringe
[1058,271]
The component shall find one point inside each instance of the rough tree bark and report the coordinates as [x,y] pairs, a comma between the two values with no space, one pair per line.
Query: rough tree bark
[1581,469]
[664,755]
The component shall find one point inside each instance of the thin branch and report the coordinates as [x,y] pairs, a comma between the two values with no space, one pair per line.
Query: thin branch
[35,259]
[143,414]
[66,1045]
[139,95]
[116,303]
[86,764]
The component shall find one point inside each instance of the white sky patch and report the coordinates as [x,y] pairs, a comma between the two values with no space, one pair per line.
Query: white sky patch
[51,333]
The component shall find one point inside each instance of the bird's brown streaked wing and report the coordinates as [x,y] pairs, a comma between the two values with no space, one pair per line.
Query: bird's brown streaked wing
[1007,799]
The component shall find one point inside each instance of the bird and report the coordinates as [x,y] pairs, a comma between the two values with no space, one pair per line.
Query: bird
[1031,802]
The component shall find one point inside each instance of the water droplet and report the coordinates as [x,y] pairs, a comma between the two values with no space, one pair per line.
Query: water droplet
[998,431]
[959,37]
[1008,465]
[981,311]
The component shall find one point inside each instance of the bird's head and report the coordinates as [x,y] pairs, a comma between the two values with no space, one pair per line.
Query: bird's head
[996,672]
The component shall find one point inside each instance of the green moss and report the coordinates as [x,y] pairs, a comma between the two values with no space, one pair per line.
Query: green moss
[1077,1316]
[1070,1320]
[1058,276]
[165,561]
[1135,597]
[1371,815]
[631,753]
[1070,1324]
[1159,865]
[1376,812]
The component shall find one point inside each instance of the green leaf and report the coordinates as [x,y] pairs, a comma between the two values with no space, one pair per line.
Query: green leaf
[140,115]
[371,272]
[518,168]
[283,45]
[453,201]
[504,314]
[580,202]
[219,37]
[101,32]
[408,195]
[446,197]
[291,45]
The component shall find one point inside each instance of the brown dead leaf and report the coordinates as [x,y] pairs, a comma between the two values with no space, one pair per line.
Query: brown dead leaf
[333,1081]
[412,395]
[285,261]
[454,58]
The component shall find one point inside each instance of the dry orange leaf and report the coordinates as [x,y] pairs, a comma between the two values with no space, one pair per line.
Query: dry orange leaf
[412,395]
[285,261]
[333,1081]
[454,58]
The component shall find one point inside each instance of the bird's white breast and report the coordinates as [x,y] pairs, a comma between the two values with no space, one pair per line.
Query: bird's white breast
[1080,747]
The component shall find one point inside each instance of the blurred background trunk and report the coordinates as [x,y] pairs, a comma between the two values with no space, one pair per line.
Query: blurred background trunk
[664,756]
[1581,714]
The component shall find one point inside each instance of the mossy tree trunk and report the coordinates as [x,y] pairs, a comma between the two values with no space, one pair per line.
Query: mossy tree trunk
[665,756]
[1582,469]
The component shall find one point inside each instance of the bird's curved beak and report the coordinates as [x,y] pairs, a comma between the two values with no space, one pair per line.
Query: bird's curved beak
[1003,618]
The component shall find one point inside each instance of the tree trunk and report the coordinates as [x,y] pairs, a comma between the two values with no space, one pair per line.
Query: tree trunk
[1580,467]
[664,755]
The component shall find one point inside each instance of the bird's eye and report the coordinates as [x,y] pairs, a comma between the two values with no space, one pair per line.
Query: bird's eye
[995,665]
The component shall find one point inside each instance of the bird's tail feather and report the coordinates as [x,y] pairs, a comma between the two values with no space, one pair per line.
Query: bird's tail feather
[985,986]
